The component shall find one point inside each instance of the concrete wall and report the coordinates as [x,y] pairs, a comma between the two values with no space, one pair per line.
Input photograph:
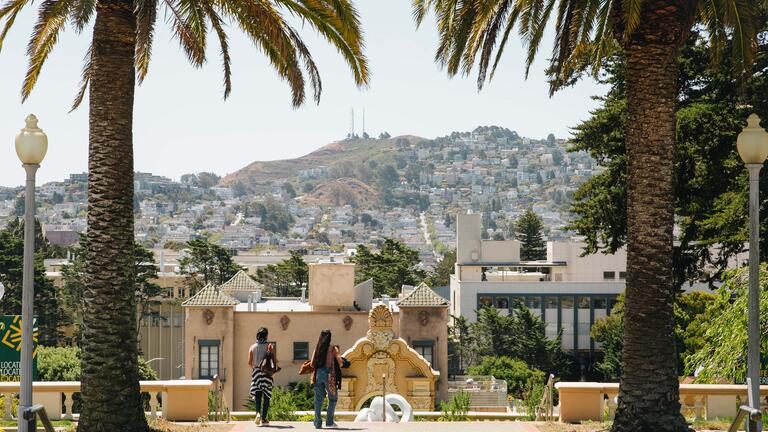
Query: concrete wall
[221,328]
[436,329]
[331,286]
[588,268]
[468,247]
[500,251]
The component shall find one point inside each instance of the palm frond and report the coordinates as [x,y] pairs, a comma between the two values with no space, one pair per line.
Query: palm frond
[218,27]
[52,19]
[146,16]
[632,13]
[86,78]
[81,14]
[10,11]
[339,23]
[267,29]
[741,16]
[187,31]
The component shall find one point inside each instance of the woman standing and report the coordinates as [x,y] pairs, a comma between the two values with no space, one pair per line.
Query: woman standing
[261,382]
[326,362]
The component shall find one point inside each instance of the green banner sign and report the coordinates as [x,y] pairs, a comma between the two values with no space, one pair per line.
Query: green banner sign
[10,349]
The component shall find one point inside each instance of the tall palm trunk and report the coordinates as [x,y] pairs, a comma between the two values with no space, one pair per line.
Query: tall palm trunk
[110,381]
[649,390]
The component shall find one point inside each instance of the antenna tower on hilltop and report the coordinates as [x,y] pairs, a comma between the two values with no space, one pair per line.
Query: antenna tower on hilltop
[363,132]
[352,123]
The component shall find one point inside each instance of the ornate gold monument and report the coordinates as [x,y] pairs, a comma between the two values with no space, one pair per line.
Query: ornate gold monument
[380,362]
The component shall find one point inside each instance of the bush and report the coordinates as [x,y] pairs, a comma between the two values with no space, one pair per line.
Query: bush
[63,364]
[304,395]
[282,406]
[456,409]
[515,372]
[58,364]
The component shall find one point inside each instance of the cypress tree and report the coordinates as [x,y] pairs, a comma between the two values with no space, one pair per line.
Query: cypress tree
[529,230]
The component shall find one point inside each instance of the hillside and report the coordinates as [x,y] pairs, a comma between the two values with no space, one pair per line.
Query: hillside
[342,191]
[263,173]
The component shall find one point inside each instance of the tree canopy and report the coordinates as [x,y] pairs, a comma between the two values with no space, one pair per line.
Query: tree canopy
[710,183]
[206,263]
[285,278]
[392,267]
[529,230]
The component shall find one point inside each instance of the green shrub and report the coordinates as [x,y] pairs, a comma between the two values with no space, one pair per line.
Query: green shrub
[534,390]
[63,364]
[456,409]
[282,406]
[515,372]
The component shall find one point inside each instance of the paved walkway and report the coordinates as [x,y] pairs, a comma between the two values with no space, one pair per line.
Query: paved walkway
[486,426]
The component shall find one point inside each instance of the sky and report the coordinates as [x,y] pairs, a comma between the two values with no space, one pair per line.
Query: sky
[182,124]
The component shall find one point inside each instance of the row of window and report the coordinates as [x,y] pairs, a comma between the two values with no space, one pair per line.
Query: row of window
[611,275]
[209,354]
[536,302]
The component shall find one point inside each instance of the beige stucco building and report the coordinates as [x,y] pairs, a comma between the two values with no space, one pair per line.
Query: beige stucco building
[220,325]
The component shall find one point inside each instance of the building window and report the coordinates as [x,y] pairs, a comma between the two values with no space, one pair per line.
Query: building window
[518,300]
[485,301]
[583,302]
[301,350]
[425,348]
[209,358]
[551,302]
[609,275]
[599,303]
[623,275]
[566,302]
[534,302]
[612,303]
[502,303]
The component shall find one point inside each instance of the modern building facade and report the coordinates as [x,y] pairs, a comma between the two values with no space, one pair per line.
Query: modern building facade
[567,290]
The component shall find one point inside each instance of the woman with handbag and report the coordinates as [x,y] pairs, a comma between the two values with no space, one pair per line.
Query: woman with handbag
[263,363]
[326,363]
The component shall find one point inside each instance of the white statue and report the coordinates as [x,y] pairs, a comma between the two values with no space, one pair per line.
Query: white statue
[381,409]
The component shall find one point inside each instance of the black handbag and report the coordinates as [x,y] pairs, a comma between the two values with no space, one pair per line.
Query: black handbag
[345,363]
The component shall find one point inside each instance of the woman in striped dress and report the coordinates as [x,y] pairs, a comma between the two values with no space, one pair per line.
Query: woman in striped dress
[261,383]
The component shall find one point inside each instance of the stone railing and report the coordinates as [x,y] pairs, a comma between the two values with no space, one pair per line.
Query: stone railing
[183,400]
[581,401]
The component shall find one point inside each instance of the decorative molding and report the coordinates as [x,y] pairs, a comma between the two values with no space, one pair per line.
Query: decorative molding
[208,315]
[347,322]
[423,318]
[284,322]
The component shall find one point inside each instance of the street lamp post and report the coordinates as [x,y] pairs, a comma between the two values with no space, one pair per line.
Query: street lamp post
[31,146]
[752,144]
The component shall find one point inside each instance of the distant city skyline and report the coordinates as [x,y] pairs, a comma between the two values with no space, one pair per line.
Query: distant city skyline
[182,125]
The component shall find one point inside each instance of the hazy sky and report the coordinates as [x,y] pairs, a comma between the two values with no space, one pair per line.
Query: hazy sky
[183,125]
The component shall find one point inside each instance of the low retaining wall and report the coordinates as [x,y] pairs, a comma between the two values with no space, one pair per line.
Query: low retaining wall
[177,400]
[581,401]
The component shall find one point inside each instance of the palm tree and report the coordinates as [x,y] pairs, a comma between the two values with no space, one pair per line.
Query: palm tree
[120,53]
[649,34]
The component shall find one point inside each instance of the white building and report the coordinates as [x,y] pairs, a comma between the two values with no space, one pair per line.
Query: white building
[567,290]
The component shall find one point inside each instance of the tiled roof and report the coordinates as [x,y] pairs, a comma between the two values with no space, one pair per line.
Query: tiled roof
[210,296]
[241,282]
[422,296]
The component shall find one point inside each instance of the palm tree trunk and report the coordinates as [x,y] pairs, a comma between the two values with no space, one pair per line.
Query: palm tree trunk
[110,378]
[649,390]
